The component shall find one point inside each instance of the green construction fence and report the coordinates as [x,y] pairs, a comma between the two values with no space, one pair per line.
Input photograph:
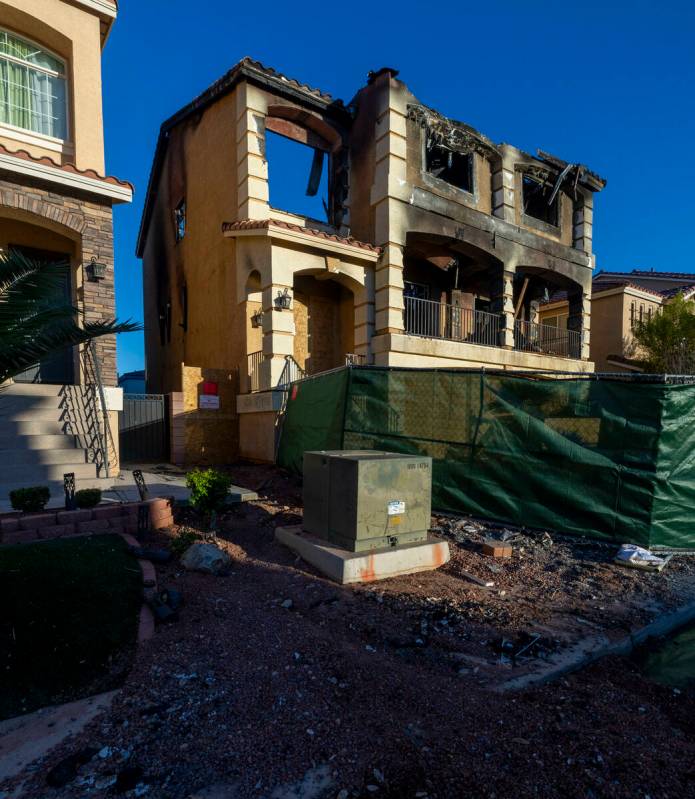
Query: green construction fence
[607,457]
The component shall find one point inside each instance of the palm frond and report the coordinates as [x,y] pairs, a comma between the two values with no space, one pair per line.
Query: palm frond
[33,326]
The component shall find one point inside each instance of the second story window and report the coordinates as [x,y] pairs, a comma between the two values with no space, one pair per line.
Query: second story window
[535,199]
[180,220]
[33,93]
[453,167]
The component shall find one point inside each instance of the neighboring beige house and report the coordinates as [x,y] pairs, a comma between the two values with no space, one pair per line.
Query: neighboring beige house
[435,248]
[56,204]
[619,301]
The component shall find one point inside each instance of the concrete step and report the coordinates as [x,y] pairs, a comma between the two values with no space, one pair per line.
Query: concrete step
[40,441]
[40,427]
[32,389]
[23,474]
[32,413]
[13,402]
[44,457]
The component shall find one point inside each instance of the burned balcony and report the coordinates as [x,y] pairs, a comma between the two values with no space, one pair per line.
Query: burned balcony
[442,320]
[547,340]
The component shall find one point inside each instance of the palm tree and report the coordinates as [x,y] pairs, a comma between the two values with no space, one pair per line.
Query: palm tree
[32,325]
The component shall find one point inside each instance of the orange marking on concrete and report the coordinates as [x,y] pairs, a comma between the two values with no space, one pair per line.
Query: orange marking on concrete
[368,574]
[439,555]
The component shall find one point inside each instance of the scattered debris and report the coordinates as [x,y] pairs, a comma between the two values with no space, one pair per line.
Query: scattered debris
[65,771]
[638,558]
[497,549]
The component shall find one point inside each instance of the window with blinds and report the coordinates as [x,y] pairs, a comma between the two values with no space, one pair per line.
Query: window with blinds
[33,94]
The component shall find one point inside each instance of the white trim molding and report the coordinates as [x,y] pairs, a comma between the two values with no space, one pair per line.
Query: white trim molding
[36,139]
[103,7]
[307,239]
[73,180]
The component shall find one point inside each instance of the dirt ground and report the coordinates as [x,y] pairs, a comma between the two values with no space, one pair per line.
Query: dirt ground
[275,683]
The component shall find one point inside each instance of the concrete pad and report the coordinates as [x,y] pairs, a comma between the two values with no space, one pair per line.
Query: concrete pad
[26,738]
[346,567]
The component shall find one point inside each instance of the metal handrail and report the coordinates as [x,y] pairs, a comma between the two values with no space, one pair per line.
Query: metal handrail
[441,320]
[546,339]
[291,373]
[91,361]
[253,371]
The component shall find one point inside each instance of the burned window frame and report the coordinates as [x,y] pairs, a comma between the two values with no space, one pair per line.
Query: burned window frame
[542,186]
[322,155]
[180,220]
[429,145]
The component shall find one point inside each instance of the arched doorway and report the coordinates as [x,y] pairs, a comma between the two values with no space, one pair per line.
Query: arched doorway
[324,320]
[41,243]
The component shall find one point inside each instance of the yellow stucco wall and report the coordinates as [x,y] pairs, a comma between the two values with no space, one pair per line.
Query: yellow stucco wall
[72,33]
[203,260]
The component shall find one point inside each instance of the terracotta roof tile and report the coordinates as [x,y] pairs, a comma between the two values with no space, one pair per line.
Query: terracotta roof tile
[46,161]
[260,224]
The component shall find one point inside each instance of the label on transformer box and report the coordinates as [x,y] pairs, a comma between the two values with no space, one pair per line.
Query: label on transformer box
[396,507]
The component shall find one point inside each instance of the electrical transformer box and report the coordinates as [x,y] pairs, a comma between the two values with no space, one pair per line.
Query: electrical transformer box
[362,499]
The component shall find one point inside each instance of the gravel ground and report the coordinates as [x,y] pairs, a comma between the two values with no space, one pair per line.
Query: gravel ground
[276,683]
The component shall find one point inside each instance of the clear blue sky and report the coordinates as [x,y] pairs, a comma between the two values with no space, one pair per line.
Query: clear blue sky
[608,84]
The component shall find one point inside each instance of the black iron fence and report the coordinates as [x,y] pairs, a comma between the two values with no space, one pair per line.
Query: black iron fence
[440,320]
[548,340]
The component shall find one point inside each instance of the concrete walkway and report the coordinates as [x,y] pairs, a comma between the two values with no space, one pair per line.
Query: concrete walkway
[162,480]
[30,737]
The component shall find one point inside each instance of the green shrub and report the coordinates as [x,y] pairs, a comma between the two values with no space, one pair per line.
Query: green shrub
[88,497]
[183,540]
[209,489]
[30,500]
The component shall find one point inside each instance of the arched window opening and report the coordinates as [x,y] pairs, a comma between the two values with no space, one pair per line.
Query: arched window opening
[33,94]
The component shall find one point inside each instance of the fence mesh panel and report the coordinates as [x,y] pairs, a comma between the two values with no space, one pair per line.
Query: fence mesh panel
[608,457]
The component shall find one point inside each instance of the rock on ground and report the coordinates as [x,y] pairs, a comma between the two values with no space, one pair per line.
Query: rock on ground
[207,558]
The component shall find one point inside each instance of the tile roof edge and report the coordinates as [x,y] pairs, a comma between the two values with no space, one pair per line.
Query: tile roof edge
[260,224]
[24,155]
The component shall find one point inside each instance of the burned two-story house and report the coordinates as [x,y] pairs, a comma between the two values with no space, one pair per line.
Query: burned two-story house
[286,233]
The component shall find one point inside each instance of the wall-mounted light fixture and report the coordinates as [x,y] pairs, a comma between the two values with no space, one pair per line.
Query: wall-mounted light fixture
[283,301]
[97,270]
[257,319]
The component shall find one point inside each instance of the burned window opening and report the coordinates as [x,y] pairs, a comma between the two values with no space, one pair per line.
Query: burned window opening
[298,177]
[184,308]
[180,221]
[165,323]
[454,167]
[535,201]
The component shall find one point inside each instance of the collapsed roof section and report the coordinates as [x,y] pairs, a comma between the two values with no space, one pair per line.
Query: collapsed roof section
[445,132]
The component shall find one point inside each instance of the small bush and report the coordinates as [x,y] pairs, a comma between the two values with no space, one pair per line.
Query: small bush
[30,500]
[88,497]
[209,489]
[183,540]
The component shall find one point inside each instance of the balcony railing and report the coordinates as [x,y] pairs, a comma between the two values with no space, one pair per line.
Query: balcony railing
[548,340]
[440,320]
[253,371]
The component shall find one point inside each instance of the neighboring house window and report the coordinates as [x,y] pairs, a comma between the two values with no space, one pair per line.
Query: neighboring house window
[33,92]
[535,199]
[455,168]
[180,220]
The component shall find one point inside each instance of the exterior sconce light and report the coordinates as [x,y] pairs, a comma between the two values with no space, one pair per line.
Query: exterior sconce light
[96,269]
[283,301]
[257,319]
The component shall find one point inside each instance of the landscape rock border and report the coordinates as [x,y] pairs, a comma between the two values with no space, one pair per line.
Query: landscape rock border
[29,528]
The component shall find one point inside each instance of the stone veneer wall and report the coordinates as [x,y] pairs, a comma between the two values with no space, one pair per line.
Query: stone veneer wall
[89,220]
